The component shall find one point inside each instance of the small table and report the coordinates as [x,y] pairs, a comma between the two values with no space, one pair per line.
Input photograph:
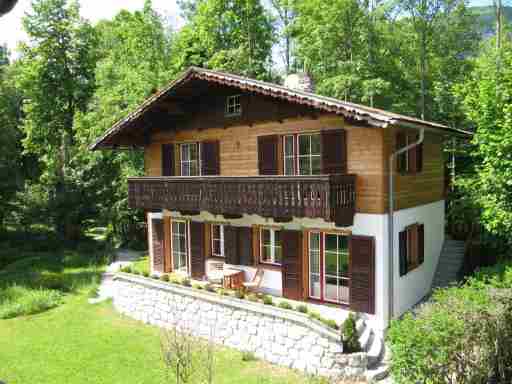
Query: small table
[233,279]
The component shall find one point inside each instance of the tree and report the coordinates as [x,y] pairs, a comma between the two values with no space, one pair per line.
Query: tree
[285,16]
[332,43]
[57,78]
[235,36]
[488,104]
[440,37]
[134,61]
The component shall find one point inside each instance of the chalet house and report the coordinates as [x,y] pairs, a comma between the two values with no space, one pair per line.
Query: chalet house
[338,204]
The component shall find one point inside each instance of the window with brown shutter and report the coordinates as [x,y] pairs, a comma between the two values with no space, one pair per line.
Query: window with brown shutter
[292,264]
[411,244]
[245,250]
[197,254]
[362,274]
[168,160]
[210,158]
[231,245]
[268,154]
[410,161]
[157,241]
[334,151]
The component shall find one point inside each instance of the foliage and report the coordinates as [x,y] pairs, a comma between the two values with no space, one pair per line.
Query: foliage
[285,305]
[234,36]
[164,277]
[349,335]
[20,301]
[302,308]
[239,294]
[463,336]
[252,297]
[267,300]
[248,356]
[487,102]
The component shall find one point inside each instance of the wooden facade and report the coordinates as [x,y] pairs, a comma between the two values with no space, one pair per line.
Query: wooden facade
[368,151]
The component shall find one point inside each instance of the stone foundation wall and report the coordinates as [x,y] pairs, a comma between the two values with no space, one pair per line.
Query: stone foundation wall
[277,335]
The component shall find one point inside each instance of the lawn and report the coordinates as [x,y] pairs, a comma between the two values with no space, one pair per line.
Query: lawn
[77,342]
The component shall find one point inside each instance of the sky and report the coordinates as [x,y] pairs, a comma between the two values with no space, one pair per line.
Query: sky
[10,25]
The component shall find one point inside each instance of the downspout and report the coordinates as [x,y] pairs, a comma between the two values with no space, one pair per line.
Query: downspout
[391,294]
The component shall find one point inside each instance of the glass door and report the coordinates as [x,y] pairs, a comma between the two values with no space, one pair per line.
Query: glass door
[179,246]
[328,267]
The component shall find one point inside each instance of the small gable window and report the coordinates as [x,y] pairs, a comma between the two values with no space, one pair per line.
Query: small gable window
[233,106]
[410,161]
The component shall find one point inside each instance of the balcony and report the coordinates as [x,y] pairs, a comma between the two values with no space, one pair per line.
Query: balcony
[329,197]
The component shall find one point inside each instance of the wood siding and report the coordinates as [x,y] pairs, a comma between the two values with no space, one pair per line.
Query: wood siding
[368,150]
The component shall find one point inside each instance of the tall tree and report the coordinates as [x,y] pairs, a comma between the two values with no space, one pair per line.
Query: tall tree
[134,61]
[487,99]
[235,36]
[332,43]
[57,78]
[285,16]
[440,36]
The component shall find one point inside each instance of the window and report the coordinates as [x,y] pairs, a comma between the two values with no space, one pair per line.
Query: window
[302,154]
[411,248]
[289,154]
[329,267]
[179,245]
[336,268]
[218,240]
[270,241]
[233,106]
[410,161]
[190,160]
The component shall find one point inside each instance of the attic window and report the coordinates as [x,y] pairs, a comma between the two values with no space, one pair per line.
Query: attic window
[233,106]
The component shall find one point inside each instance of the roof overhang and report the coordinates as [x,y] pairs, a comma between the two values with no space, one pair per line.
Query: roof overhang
[372,116]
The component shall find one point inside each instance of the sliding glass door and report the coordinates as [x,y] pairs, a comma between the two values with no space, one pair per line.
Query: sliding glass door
[328,267]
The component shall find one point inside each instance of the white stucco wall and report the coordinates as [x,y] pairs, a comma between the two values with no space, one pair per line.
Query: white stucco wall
[408,289]
[412,287]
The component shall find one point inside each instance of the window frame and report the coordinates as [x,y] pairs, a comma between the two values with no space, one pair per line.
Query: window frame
[322,267]
[182,162]
[220,240]
[297,156]
[271,245]
[187,245]
[412,255]
[403,160]
[233,106]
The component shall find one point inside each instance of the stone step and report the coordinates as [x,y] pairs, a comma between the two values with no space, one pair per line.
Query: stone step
[366,338]
[360,326]
[377,374]
[375,352]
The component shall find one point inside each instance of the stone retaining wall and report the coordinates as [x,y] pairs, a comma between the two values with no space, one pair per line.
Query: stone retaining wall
[280,336]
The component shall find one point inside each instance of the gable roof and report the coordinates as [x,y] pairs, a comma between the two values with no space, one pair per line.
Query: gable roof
[372,116]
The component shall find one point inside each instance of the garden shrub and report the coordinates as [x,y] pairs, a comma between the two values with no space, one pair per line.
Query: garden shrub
[285,305]
[330,323]
[222,292]
[349,335]
[252,297]
[267,300]
[302,308]
[209,287]
[315,315]
[155,277]
[127,269]
[186,282]
[239,294]
[197,286]
[145,273]
[464,335]
[164,278]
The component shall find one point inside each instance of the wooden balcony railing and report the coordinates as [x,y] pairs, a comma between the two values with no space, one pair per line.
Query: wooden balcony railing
[331,197]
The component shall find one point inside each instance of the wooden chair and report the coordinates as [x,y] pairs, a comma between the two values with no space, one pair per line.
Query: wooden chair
[215,272]
[255,284]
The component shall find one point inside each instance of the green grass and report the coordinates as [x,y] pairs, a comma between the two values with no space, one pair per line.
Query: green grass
[76,342]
